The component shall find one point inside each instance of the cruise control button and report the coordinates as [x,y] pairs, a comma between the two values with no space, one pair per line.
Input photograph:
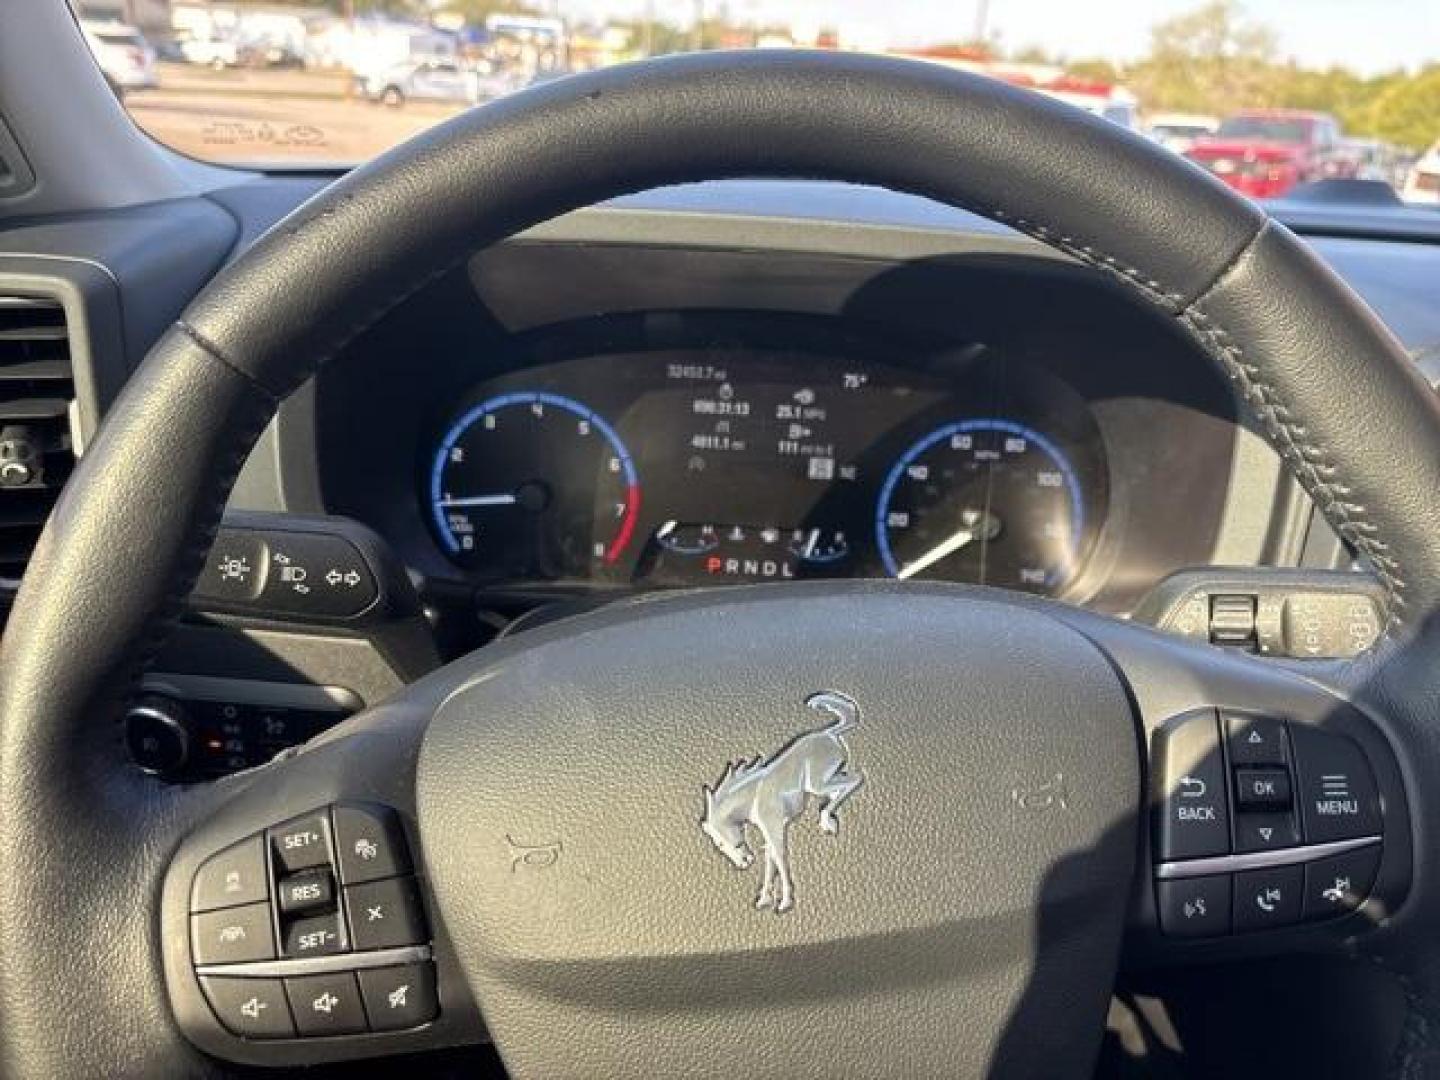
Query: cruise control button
[232,936]
[1269,898]
[369,843]
[250,1008]
[1254,740]
[326,1004]
[1262,788]
[1193,812]
[1337,794]
[1194,907]
[1265,830]
[235,876]
[307,891]
[399,997]
[385,914]
[1339,884]
[301,843]
[316,936]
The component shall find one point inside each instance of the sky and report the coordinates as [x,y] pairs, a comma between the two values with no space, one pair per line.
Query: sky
[1366,35]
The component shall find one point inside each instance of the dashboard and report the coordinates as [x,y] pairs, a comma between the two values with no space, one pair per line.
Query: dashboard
[695,457]
[574,420]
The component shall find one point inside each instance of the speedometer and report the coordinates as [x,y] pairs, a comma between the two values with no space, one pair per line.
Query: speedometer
[533,485]
[982,500]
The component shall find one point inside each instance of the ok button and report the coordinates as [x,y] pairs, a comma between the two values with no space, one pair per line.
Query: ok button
[1262,788]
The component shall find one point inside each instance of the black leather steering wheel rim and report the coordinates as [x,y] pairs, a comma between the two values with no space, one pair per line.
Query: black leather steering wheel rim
[86,839]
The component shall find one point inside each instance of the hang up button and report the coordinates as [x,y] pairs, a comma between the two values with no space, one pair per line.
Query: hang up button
[1338,799]
[1192,812]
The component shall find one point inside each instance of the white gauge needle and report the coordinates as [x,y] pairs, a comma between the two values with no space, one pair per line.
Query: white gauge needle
[506,499]
[951,544]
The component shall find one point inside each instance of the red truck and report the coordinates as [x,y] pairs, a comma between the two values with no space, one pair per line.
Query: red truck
[1264,153]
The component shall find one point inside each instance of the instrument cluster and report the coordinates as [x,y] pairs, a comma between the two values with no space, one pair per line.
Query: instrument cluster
[714,461]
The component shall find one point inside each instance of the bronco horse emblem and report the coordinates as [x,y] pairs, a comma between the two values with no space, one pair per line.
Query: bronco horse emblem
[770,794]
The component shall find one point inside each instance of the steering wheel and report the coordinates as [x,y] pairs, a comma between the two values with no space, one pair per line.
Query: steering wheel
[838,829]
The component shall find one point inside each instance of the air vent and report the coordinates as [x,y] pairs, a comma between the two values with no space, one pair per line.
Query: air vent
[37,451]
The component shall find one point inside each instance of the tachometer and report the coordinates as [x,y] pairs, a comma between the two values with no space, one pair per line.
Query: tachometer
[984,500]
[533,485]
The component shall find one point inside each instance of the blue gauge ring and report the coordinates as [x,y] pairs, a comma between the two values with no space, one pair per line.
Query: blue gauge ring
[531,397]
[962,427]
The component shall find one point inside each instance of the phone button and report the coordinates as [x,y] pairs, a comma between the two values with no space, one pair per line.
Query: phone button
[1266,899]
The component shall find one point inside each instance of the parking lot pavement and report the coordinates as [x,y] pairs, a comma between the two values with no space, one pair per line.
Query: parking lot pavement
[280,117]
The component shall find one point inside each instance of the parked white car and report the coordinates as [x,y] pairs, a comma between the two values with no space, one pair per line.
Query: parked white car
[1178,131]
[210,52]
[1423,183]
[126,59]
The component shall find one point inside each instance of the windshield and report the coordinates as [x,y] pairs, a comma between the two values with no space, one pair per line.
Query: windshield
[333,82]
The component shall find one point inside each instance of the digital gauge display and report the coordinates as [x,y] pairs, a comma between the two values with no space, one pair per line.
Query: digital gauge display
[534,484]
[704,463]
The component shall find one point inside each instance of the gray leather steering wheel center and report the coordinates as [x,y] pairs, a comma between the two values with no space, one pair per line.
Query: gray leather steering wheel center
[982,849]
[1314,365]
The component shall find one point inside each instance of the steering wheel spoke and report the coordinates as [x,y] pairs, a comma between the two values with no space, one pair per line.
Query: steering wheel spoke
[1278,816]
[298,919]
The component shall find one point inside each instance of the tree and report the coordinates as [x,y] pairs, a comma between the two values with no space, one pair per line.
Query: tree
[1096,68]
[1208,60]
[1407,111]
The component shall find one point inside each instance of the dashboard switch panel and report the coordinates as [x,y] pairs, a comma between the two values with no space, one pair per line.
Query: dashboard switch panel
[1193,813]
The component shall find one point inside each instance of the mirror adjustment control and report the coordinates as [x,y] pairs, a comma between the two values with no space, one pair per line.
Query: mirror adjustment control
[250,1008]
[235,876]
[1195,907]
[1192,811]
[232,935]
[1337,794]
